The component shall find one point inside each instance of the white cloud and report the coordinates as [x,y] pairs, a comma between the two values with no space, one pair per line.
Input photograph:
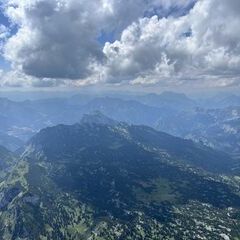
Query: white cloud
[14,79]
[4,34]
[57,39]
[204,44]
[18,79]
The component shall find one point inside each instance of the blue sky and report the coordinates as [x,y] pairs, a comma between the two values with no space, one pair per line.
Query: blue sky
[3,19]
[3,63]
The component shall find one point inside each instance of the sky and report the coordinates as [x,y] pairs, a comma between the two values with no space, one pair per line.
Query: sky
[131,44]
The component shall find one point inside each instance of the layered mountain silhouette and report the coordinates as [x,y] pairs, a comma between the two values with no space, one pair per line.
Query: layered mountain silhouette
[169,112]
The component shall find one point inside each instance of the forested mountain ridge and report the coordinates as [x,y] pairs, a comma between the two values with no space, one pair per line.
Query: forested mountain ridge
[109,180]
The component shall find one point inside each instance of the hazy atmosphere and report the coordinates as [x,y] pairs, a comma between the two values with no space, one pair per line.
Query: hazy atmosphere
[119,120]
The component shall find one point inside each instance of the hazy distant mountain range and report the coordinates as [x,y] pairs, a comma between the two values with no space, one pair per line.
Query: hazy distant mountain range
[214,122]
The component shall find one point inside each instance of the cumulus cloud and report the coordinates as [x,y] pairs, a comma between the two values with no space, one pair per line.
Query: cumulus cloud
[15,79]
[4,34]
[18,79]
[202,44]
[155,41]
[58,38]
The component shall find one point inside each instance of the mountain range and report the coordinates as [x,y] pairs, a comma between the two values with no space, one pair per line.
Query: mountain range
[104,179]
[172,113]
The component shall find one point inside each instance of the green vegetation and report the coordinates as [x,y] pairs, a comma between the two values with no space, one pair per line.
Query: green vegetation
[115,182]
[161,192]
